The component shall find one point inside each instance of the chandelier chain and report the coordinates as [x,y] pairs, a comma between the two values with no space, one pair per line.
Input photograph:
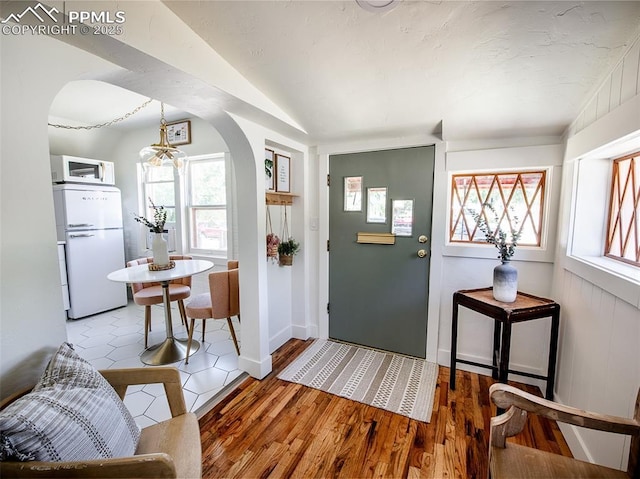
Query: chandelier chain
[108,123]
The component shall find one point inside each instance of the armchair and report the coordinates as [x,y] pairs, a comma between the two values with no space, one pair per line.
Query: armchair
[514,461]
[170,449]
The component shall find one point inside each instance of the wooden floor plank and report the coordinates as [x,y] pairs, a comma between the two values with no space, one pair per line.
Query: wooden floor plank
[276,429]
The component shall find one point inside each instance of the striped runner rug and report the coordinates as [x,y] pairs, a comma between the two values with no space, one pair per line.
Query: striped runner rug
[396,383]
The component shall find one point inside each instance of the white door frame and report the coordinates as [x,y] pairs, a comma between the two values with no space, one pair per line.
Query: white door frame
[437,228]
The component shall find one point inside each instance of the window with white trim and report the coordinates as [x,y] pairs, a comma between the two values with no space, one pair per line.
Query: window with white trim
[206,205]
[159,187]
[515,197]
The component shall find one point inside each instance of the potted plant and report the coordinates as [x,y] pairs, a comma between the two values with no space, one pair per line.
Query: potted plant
[287,250]
[158,245]
[505,276]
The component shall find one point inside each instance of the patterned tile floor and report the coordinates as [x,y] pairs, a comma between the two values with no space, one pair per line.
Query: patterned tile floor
[115,339]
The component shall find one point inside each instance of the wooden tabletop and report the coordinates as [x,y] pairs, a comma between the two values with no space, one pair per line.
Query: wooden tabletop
[523,300]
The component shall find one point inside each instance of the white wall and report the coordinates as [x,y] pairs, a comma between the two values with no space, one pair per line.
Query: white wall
[34,70]
[31,309]
[471,266]
[598,360]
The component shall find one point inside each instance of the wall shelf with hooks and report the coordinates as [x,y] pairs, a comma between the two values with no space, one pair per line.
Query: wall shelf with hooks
[277,198]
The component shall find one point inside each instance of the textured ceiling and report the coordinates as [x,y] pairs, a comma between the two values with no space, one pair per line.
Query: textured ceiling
[481,69]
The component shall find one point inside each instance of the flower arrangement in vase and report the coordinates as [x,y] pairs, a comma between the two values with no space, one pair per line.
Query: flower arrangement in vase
[505,276]
[159,244]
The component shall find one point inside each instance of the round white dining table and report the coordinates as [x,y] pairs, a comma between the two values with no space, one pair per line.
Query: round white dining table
[172,349]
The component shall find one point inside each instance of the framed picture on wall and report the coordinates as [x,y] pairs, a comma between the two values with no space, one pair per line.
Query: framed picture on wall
[269,170]
[179,132]
[377,205]
[402,217]
[353,193]
[283,173]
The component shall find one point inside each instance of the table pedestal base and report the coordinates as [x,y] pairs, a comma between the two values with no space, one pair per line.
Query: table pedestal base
[169,351]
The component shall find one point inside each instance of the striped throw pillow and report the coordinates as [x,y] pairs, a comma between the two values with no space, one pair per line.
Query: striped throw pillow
[72,414]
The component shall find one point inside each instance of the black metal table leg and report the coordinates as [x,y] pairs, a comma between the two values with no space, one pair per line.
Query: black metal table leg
[505,347]
[497,329]
[454,344]
[553,350]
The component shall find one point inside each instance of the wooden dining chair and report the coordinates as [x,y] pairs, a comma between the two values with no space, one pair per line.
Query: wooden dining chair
[148,294]
[509,460]
[222,301]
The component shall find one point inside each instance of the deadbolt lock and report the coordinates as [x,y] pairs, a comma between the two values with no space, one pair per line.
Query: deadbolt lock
[422,239]
[422,253]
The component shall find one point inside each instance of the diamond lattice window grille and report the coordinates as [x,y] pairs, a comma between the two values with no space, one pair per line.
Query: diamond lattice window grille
[516,197]
[623,232]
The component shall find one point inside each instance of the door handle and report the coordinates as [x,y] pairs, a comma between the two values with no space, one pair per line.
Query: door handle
[422,239]
[422,253]
[81,236]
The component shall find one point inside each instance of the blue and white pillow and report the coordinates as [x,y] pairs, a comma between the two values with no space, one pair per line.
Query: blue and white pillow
[72,414]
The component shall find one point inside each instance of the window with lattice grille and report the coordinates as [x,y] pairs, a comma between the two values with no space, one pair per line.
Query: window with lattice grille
[623,232]
[516,198]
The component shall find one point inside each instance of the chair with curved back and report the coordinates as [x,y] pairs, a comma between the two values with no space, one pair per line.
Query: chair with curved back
[511,460]
[169,449]
[221,302]
[148,294]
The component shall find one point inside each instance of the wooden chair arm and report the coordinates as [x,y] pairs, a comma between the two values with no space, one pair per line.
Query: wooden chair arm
[505,396]
[511,423]
[156,465]
[120,379]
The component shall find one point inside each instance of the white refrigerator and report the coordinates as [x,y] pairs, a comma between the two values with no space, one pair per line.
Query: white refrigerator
[89,221]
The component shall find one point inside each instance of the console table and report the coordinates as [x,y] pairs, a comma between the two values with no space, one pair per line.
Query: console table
[526,307]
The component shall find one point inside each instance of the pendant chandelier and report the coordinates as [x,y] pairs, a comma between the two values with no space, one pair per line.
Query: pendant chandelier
[163,153]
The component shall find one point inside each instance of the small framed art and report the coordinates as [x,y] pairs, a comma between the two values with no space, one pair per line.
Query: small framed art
[283,173]
[269,170]
[377,205]
[179,132]
[353,193]
[402,217]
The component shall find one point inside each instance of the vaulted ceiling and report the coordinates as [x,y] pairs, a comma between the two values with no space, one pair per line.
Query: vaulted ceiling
[483,69]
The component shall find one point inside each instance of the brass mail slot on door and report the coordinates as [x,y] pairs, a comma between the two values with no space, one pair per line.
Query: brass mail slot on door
[376,238]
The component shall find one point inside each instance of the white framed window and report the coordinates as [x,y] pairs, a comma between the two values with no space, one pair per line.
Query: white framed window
[623,231]
[158,185]
[594,176]
[206,205]
[516,197]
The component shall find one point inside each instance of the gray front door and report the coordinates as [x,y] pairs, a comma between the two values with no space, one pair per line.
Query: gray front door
[378,292]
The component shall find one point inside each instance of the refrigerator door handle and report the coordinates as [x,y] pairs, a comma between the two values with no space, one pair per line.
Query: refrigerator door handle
[86,235]
[79,225]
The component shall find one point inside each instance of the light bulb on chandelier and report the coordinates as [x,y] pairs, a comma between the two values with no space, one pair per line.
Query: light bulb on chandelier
[163,153]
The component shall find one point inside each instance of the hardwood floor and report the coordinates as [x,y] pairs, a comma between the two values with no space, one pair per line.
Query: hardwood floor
[272,428]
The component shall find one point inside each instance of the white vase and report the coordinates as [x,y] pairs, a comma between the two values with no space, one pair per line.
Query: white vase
[505,282]
[160,250]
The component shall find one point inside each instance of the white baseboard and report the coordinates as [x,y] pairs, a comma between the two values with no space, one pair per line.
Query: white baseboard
[444,358]
[300,332]
[280,338]
[575,442]
[256,369]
